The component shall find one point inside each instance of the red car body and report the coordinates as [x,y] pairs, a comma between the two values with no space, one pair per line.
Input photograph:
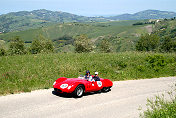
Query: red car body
[69,85]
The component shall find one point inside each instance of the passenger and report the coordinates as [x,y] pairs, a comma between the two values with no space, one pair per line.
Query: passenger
[88,76]
[96,78]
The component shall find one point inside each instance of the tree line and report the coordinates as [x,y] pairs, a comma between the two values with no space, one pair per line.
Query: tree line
[152,42]
[162,39]
[38,45]
[81,43]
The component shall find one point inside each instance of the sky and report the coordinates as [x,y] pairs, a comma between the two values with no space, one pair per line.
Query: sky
[88,7]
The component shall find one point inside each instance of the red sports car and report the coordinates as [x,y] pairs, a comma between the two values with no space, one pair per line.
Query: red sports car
[78,86]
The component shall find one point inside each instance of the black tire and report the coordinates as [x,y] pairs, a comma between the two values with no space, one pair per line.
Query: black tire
[106,89]
[98,91]
[79,91]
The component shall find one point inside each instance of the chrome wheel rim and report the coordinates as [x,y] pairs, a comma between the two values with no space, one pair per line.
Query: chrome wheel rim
[79,91]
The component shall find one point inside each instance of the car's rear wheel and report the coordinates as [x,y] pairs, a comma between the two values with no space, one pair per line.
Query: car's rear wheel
[79,91]
[106,89]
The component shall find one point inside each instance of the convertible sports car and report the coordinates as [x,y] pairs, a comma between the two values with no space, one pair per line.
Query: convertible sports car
[78,86]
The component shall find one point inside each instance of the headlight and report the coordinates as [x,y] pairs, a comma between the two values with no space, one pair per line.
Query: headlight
[54,83]
[64,86]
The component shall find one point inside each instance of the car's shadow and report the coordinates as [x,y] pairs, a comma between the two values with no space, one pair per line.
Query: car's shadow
[66,95]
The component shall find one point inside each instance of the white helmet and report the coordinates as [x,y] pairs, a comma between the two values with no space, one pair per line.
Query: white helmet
[96,73]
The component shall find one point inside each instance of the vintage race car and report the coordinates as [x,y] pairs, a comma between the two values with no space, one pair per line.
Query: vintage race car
[78,86]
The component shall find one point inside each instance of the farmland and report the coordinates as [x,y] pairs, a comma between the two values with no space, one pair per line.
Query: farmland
[93,30]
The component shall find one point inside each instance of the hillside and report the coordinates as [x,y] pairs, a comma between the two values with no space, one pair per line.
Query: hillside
[24,20]
[147,14]
[17,21]
[123,32]
[93,30]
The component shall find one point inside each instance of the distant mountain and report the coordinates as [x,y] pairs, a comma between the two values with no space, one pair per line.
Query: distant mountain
[23,20]
[147,14]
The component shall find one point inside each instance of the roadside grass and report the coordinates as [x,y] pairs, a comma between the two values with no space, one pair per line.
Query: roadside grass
[23,73]
[160,107]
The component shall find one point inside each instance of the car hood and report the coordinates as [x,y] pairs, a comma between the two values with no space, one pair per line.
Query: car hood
[69,80]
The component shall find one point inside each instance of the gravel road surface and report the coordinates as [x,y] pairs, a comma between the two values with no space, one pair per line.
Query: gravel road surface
[123,101]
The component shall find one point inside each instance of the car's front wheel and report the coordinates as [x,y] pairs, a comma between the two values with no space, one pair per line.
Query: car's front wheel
[106,89]
[78,92]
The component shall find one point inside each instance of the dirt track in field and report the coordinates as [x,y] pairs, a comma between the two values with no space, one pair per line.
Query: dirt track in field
[122,101]
[149,28]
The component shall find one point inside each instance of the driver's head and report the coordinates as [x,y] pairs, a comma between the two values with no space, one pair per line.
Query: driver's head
[96,73]
[87,72]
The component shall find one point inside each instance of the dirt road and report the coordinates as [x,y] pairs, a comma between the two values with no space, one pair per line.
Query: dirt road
[122,101]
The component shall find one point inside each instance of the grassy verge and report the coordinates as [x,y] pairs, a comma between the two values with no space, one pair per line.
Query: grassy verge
[29,72]
[161,107]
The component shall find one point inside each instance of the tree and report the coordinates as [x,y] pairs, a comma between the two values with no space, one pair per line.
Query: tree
[148,42]
[41,44]
[168,44]
[83,44]
[105,46]
[16,46]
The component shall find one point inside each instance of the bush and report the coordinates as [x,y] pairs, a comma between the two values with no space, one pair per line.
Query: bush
[148,42]
[160,107]
[105,46]
[2,52]
[41,44]
[156,62]
[16,46]
[140,68]
[138,23]
[168,44]
[83,44]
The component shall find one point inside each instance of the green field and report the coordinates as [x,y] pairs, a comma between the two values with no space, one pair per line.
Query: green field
[124,34]
[24,73]
[93,30]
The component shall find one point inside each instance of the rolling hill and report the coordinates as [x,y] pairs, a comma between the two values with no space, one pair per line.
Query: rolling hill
[147,14]
[122,34]
[93,30]
[18,21]
[24,20]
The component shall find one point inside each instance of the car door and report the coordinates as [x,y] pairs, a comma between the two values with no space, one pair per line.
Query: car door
[98,85]
[94,86]
[90,86]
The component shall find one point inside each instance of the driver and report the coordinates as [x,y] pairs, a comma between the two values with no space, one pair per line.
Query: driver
[88,76]
[96,78]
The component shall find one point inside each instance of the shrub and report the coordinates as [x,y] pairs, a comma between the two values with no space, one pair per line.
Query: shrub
[16,46]
[168,44]
[83,44]
[105,46]
[138,23]
[160,107]
[2,52]
[122,64]
[148,42]
[140,68]
[156,62]
[41,44]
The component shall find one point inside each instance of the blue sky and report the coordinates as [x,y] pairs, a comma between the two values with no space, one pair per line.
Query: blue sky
[88,7]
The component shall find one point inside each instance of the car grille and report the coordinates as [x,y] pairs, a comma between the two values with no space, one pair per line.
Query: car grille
[57,90]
